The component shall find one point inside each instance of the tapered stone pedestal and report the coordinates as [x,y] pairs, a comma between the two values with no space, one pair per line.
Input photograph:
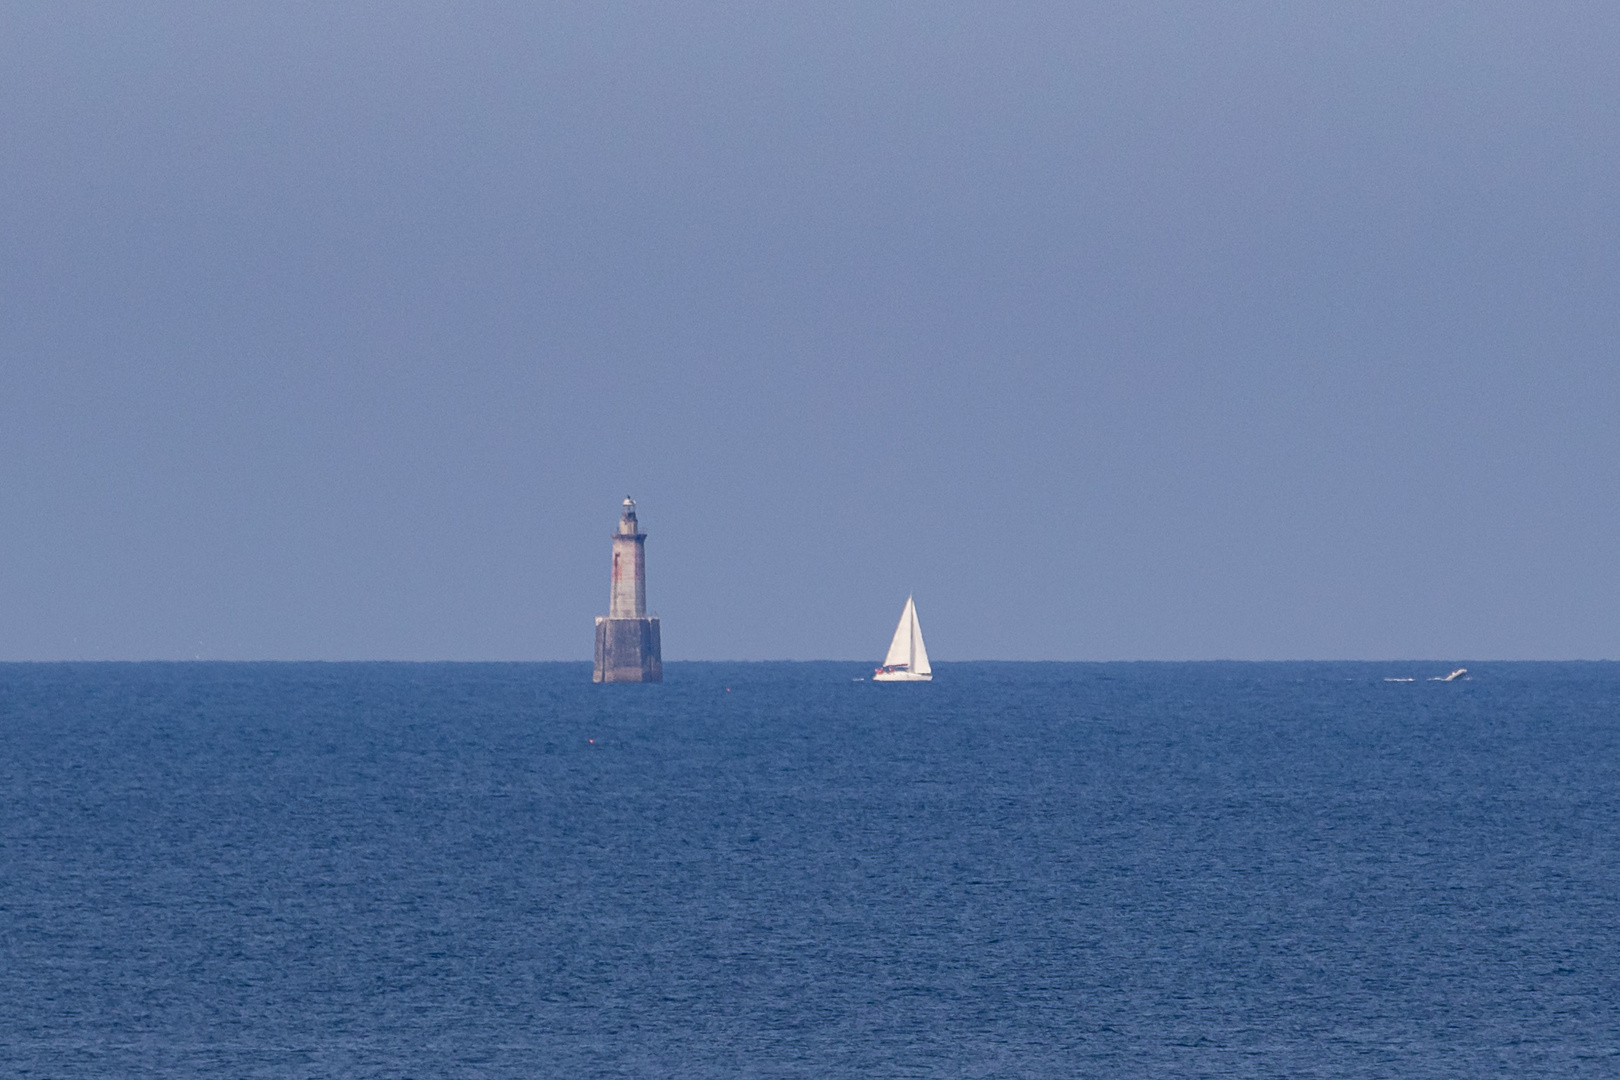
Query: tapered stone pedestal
[628,650]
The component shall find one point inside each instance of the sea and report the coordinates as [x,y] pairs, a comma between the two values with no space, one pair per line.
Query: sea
[775,870]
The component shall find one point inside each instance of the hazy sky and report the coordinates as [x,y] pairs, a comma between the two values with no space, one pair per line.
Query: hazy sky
[1112,330]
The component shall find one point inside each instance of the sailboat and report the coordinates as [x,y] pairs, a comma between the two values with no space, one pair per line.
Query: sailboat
[907,660]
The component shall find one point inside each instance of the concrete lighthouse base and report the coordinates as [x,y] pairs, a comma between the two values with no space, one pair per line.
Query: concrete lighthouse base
[628,650]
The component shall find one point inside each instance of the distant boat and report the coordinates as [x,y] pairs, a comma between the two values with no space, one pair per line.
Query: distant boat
[907,660]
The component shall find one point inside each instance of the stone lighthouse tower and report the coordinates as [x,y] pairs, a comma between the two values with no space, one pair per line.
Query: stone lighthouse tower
[627,645]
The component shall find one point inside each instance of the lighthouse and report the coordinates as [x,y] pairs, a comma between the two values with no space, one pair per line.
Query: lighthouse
[627,644]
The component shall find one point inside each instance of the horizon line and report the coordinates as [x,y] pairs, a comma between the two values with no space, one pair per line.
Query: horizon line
[823,660]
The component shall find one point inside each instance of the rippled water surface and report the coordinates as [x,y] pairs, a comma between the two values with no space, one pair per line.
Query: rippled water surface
[773,870]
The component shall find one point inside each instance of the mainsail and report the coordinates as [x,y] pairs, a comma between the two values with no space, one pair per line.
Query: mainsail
[919,655]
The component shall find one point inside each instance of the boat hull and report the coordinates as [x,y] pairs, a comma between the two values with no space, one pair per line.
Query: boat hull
[901,676]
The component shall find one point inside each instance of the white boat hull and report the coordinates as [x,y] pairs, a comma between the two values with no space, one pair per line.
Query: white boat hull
[901,676]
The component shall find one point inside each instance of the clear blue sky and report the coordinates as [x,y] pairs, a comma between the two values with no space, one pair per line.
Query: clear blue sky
[1112,330]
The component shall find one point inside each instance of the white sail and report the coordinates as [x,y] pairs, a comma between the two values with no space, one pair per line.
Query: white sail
[907,660]
[900,647]
[919,655]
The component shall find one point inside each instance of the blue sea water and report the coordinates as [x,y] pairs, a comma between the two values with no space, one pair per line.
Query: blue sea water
[773,870]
